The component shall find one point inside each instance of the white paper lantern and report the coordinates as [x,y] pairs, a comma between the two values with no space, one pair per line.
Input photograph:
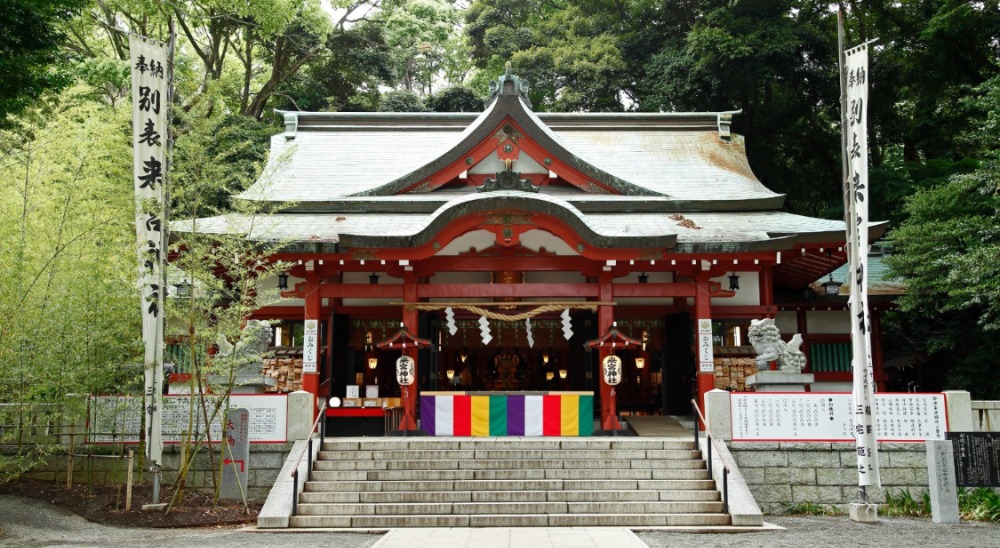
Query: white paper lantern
[404,370]
[612,370]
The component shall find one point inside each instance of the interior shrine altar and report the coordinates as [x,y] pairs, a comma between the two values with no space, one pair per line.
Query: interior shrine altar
[507,413]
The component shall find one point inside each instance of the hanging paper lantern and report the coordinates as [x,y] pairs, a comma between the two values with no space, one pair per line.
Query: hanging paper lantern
[612,370]
[404,370]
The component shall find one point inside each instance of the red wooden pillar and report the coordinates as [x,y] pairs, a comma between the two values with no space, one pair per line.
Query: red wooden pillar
[409,393]
[703,311]
[766,287]
[313,304]
[878,357]
[606,317]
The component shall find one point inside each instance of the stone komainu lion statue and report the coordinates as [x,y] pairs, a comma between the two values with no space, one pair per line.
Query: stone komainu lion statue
[247,353]
[766,341]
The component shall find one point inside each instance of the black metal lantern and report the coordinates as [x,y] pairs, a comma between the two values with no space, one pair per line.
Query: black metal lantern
[373,279]
[734,282]
[831,288]
[183,289]
[283,280]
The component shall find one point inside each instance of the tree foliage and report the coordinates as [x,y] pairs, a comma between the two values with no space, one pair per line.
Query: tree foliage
[68,309]
[30,40]
[947,251]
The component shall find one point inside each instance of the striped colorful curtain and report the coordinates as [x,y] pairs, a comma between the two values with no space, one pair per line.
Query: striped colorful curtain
[507,415]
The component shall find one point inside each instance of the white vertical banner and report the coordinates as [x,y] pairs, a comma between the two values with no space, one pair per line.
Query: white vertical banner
[150,100]
[310,346]
[856,206]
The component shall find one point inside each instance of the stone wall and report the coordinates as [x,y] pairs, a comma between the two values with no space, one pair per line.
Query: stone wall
[986,416]
[780,474]
[107,467]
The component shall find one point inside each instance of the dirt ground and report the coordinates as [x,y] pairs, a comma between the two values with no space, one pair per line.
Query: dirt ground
[106,505]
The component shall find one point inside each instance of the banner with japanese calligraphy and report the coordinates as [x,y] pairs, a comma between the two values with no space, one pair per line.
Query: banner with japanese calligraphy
[856,208]
[150,88]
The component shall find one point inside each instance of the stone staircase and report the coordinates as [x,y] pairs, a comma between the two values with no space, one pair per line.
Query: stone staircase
[508,482]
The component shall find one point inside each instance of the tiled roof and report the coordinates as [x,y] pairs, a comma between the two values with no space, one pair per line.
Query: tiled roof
[687,232]
[331,156]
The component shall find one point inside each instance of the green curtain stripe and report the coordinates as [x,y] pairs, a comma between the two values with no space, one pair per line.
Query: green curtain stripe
[498,415]
[586,415]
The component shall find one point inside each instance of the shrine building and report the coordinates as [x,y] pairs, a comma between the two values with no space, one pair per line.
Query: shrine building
[512,252]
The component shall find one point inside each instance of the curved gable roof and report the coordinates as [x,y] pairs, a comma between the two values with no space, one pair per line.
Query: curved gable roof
[682,161]
[508,107]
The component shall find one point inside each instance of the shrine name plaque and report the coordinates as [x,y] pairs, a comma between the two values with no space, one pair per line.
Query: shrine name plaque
[977,458]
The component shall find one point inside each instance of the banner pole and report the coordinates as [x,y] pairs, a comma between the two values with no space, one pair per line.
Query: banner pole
[862,493]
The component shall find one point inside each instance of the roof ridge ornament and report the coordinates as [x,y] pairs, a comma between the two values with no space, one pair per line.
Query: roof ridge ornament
[508,84]
[508,179]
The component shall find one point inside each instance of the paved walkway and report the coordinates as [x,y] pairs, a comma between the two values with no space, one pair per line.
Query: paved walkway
[517,537]
[27,523]
[659,426]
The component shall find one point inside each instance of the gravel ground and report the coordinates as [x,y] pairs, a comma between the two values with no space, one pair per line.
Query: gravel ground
[840,531]
[29,523]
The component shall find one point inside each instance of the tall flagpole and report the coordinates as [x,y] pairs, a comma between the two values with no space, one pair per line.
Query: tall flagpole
[854,141]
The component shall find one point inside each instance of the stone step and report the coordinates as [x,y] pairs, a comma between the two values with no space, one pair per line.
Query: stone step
[477,508]
[679,485]
[511,520]
[468,475]
[519,454]
[638,520]
[606,496]
[332,464]
[443,443]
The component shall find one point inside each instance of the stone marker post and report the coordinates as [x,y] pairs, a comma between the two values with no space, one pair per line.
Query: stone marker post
[235,455]
[941,476]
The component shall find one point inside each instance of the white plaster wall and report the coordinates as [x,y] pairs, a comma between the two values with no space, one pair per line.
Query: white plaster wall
[362,277]
[786,322]
[747,295]
[827,322]
[478,239]
[534,240]
[537,239]
[654,277]
[271,284]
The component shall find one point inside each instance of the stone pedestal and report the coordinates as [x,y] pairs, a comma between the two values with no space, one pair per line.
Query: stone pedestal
[780,381]
[941,477]
[245,384]
[864,513]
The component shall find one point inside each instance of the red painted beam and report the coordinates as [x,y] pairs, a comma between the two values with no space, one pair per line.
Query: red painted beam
[554,290]
[492,264]
[368,291]
[653,290]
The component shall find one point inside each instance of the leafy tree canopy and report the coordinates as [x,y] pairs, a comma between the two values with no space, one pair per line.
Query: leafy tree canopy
[947,251]
[30,40]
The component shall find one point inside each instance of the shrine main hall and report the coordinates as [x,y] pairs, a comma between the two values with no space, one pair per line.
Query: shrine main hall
[511,252]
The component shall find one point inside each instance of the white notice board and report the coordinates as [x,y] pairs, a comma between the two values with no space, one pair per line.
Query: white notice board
[118,419]
[826,416]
